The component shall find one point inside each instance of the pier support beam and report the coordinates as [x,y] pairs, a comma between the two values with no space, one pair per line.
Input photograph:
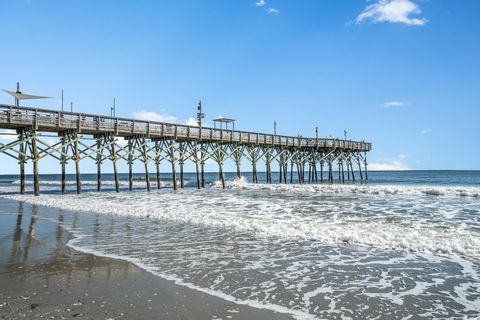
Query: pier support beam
[360,170]
[330,172]
[291,171]
[181,151]
[182,183]
[35,159]
[157,163]
[114,158]
[220,174]
[130,164]
[321,171]
[366,170]
[99,164]
[21,160]
[174,174]
[202,167]
[170,146]
[197,173]
[280,172]
[77,164]
[348,170]
[353,173]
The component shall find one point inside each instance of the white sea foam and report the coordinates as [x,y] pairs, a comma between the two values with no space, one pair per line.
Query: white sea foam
[407,190]
[403,224]
[297,314]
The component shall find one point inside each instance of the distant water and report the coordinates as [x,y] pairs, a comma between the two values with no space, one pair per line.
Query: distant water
[405,244]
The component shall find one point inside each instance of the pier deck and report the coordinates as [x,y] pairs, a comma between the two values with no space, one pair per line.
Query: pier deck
[12,117]
[150,141]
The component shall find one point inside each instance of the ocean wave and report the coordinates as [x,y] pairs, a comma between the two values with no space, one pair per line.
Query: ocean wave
[361,223]
[407,190]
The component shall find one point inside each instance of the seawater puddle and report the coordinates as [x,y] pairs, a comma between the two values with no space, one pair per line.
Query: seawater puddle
[311,253]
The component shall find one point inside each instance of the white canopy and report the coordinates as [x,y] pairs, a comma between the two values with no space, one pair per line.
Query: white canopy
[22,96]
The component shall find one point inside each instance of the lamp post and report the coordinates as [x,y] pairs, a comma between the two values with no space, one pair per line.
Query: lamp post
[274,128]
[113,109]
[62,100]
[71,106]
[345,134]
[200,114]
[17,101]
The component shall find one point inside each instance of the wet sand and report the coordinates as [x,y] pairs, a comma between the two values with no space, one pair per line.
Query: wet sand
[42,278]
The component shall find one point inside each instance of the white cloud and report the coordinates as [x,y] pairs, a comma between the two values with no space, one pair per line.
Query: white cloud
[399,163]
[121,141]
[273,10]
[191,122]
[394,104]
[8,135]
[260,3]
[153,116]
[426,131]
[393,11]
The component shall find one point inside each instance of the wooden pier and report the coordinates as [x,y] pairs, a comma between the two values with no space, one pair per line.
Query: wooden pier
[149,141]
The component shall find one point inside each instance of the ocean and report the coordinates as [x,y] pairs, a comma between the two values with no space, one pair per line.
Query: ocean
[405,245]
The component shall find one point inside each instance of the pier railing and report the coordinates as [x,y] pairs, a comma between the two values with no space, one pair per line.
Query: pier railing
[13,117]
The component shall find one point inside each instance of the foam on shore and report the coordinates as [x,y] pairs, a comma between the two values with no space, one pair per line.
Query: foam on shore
[357,189]
[437,228]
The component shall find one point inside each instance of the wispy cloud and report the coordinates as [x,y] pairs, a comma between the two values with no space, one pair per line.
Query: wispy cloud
[263,3]
[393,11]
[260,3]
[154,116]
[273,10]
[426,131]
[398,163]
[394,104]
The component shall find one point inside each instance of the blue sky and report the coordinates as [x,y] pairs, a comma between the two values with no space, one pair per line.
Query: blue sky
[403,74]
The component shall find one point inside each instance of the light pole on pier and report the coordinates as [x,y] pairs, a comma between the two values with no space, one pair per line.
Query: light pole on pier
[200,114]
[275,128]
[62,100]
[17,100]
[113,109]
[71,106]
[345,134]
[316,133]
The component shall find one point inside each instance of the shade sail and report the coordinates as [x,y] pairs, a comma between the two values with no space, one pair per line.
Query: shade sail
[22,96]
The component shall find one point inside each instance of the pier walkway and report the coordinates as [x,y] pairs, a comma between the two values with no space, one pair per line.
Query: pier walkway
[150,141]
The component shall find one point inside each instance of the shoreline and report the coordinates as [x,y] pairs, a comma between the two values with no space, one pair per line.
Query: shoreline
[44,277]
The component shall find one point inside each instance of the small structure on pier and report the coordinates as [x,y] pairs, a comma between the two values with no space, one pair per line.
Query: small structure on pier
[220,121]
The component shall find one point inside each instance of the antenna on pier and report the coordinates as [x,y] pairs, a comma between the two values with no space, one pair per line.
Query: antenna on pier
[18,95]
[200,114]
[113,109]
